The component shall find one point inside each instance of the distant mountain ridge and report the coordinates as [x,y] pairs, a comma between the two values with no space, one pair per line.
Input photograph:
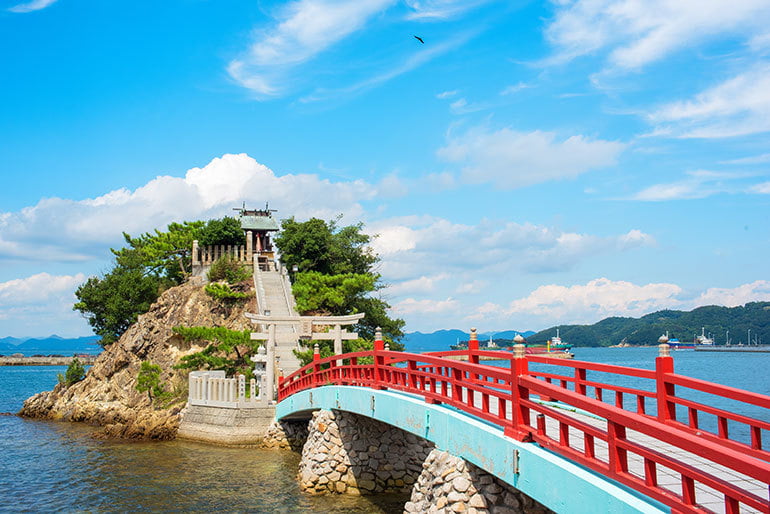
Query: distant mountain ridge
[442,339]
[50,345]
[684,325]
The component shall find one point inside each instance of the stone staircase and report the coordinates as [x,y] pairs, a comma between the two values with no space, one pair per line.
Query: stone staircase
[275,296]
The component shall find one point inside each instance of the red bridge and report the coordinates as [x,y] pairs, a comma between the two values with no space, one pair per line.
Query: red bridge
[687,455]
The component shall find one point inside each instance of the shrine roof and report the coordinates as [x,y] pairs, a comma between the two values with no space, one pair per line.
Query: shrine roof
[259,223]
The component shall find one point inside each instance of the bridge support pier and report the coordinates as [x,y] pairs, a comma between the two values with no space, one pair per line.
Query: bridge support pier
[350,454]
[450,483]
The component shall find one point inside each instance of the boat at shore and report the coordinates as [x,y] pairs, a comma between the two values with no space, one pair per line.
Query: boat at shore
[555,347]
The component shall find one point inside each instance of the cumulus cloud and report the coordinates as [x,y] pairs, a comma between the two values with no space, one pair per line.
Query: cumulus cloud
[757,291]
[41,302]
[736,107]
[34,5]
[511,159]
[599,298]
[407,244]
[636,33]
[37,288]
[67,229]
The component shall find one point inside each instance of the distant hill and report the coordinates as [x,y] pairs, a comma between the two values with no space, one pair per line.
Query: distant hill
[50,345]
[441,339]
[683,325]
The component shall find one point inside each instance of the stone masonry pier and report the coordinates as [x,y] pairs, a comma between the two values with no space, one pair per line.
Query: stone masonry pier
[346,453]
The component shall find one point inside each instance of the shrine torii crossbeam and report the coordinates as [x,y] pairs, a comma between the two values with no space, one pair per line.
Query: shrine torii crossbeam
[307,331]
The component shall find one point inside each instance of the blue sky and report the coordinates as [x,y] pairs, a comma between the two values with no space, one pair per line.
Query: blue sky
[530,164]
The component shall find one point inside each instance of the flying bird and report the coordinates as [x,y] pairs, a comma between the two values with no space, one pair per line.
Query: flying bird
[418,38]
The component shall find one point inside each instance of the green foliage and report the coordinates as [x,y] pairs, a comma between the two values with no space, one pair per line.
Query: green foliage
[112,303]
[337,276]
[228,350]
[229,269]
[679,324]
[317,245]
[148,380]
[75,373]
[143,269]
[225,231]
[330,294]
[167,253]
[224,292]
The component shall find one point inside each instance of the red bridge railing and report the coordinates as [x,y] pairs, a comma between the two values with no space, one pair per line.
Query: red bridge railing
[506,397]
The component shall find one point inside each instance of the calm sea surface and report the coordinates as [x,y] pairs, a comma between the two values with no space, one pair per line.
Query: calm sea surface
[59,466]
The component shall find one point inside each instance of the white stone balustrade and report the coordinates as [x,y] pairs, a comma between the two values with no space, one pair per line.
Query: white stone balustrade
[214,389]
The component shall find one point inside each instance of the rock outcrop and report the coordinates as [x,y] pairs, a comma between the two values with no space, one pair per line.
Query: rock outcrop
[108,396]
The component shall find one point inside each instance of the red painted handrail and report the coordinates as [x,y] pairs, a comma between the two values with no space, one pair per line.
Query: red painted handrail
[503,396]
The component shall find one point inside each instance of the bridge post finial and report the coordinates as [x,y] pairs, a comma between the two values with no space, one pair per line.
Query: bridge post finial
[663,347]
[473,346]
[378,343]
[519,427]
[316,352]
[664,366]
[387,347]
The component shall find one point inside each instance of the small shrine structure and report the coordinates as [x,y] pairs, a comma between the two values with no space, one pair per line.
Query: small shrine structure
[258,226]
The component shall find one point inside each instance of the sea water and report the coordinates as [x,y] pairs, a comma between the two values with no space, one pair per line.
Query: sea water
[46,465]
[55,466]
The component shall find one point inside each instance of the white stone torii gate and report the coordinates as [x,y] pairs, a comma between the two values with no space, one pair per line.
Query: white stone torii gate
[307,330]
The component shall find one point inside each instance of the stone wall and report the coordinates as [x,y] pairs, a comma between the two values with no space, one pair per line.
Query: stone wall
[352,454]
[286,435]
[451,484]
[219,425]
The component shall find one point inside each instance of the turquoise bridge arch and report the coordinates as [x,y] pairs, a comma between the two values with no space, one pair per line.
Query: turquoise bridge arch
[618,449]
[552,480]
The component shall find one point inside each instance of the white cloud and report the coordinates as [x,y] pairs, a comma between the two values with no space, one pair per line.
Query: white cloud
[515,88]
[410,306]
[757,291]
[636,33]
[302,30]
[421,285]
[736,107]
[446,94]
[413,61]
[64,229]
[430,10]
[763,188]
[697,184]
[512,159]
[41,304]
[410,246]
[34,5]
[595,300]
[754,159]
[473,286]
[37,288]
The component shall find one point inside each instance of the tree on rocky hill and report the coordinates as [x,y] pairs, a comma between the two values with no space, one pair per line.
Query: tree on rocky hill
[148,265]
[337,276]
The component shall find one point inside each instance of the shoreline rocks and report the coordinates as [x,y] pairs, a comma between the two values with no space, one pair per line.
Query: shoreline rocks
[107,396]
